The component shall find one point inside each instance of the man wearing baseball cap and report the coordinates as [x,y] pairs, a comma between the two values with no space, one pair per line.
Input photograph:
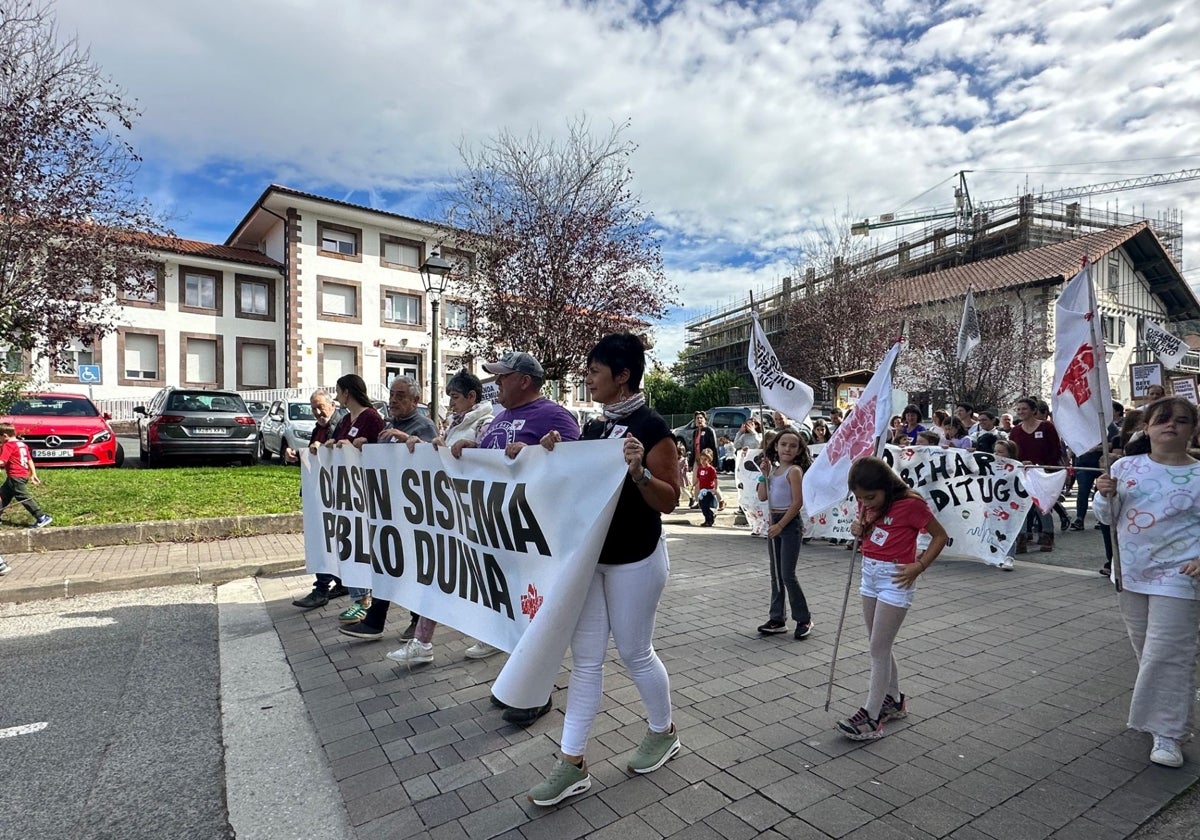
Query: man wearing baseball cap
[527,417]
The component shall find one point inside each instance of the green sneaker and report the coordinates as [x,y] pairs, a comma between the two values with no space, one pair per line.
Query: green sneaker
[564,780]
[355,613]
[656,749]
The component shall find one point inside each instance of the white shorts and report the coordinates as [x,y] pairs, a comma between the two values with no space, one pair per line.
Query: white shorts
[877,583]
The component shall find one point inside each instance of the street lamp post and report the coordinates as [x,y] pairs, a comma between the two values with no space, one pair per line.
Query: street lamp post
[435,274]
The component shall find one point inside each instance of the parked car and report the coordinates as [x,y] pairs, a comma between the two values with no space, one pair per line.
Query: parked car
[288,424]
[65,430]
[258,409]
[193,422]
[723,420]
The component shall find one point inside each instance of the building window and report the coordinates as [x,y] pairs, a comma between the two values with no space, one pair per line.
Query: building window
[581,391]
[12,361]
[255,363]
[395,252]
[458,315]
[340,300]
[201,359]
[1108,328]
[339,241]
[141,356]
[255,297]
[335,361]
[399,308]
[1121,331]
[70,360]
[143,287]
[200,290]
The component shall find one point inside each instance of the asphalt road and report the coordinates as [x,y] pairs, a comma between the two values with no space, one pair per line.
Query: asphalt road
[124,692]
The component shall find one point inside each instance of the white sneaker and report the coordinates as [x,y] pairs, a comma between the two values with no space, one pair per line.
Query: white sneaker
[1007,564]
[1166,752]
[481,650]
[413,653]
[4,568]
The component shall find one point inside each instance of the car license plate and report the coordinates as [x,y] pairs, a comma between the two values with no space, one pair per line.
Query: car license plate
[53,453]
[206,430]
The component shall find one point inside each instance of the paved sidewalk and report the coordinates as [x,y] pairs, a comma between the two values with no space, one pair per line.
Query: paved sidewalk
[1018,685]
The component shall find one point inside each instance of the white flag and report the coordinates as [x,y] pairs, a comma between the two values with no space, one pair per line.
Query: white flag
[968,331]
[780,391]
[1170,349]
[825,482]
[1081,398]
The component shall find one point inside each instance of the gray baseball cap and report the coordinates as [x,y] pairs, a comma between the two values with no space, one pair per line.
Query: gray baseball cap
[516,363]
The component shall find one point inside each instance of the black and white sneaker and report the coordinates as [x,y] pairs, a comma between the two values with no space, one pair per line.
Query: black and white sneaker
[772,627]
[802,630]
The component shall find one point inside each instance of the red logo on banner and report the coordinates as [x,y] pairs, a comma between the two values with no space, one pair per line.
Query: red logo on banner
[855,437]
[1075,378]
[531,602]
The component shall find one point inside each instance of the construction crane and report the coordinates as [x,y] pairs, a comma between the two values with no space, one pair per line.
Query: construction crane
[964,209]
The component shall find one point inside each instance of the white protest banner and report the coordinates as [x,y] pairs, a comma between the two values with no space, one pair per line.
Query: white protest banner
[1081,399]
[1169,348]
[746,473]
[779,391]
[1184,386]
[1143,376]
[503,549]
[968,329]
[980,500]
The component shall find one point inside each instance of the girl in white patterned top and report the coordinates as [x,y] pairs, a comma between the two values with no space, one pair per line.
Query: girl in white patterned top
[1152,503]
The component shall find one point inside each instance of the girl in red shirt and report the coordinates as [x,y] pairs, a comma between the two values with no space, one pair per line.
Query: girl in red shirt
[889,519]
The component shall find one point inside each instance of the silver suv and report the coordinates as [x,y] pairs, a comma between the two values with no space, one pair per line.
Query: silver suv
[180,422]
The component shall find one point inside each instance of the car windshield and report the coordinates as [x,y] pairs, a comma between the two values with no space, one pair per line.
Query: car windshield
[54,407]
[300,411]
[217,403]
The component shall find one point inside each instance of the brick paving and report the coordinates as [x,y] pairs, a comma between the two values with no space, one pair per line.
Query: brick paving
[1018,686]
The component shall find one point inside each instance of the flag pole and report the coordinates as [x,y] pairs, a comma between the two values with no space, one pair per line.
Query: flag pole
[1105,449]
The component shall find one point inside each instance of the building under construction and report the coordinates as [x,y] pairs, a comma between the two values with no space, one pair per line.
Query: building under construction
[972,234]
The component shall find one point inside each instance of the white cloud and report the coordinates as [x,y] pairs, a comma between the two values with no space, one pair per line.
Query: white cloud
[753,121]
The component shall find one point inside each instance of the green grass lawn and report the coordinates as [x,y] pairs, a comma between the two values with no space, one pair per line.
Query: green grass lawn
[101,497]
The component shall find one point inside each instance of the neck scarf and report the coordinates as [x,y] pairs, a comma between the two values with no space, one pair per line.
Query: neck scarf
[623,408]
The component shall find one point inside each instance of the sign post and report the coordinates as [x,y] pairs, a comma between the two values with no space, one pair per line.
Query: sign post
[89,375]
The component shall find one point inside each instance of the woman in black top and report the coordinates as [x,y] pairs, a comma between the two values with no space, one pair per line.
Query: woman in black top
[630,575]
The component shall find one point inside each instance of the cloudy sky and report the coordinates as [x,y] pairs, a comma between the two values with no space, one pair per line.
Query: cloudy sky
[755,122]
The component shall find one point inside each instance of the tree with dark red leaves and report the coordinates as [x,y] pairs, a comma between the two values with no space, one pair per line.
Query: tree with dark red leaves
[71,225]
[564,252]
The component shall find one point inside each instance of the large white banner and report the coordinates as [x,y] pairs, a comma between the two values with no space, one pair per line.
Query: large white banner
[503,549]
[980,500]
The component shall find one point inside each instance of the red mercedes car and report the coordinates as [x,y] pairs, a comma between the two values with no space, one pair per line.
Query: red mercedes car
[65,430]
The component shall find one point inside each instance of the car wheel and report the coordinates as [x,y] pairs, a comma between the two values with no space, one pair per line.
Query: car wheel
[249,460]
[119,458]
[283,448]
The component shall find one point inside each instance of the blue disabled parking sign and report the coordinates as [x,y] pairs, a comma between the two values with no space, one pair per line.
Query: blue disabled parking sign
[89,374]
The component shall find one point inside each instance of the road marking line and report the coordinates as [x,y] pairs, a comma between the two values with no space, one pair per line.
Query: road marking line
[27,729]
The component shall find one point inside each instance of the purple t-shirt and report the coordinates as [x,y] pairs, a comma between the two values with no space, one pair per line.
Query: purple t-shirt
[528,423]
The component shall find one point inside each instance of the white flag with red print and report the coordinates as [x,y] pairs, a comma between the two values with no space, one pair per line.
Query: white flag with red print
[1081,399]
[825,483]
